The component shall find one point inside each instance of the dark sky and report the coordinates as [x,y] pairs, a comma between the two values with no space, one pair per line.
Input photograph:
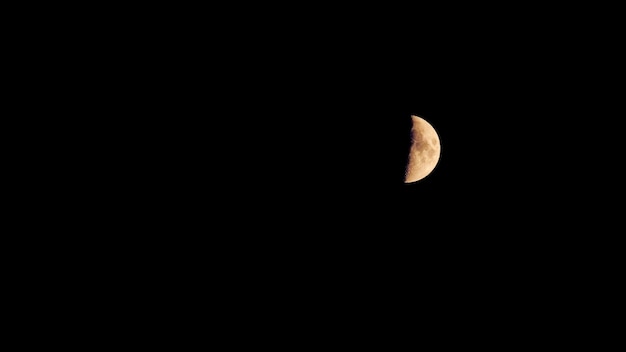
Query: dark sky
[260,160]
[298,144]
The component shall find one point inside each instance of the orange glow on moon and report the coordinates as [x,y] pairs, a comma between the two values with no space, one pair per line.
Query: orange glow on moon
[425,150]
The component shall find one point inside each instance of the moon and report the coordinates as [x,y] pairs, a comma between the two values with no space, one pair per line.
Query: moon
[425,150]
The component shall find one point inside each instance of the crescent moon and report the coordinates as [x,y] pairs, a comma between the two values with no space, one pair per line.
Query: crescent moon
[425,150]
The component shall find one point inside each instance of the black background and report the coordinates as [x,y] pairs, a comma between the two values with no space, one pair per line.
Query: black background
[263,162]
[302,136]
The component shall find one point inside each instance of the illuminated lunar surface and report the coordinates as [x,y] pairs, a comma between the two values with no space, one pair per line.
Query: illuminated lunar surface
[425,150]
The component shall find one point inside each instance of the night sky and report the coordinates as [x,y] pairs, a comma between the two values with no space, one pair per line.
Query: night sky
[255,165]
